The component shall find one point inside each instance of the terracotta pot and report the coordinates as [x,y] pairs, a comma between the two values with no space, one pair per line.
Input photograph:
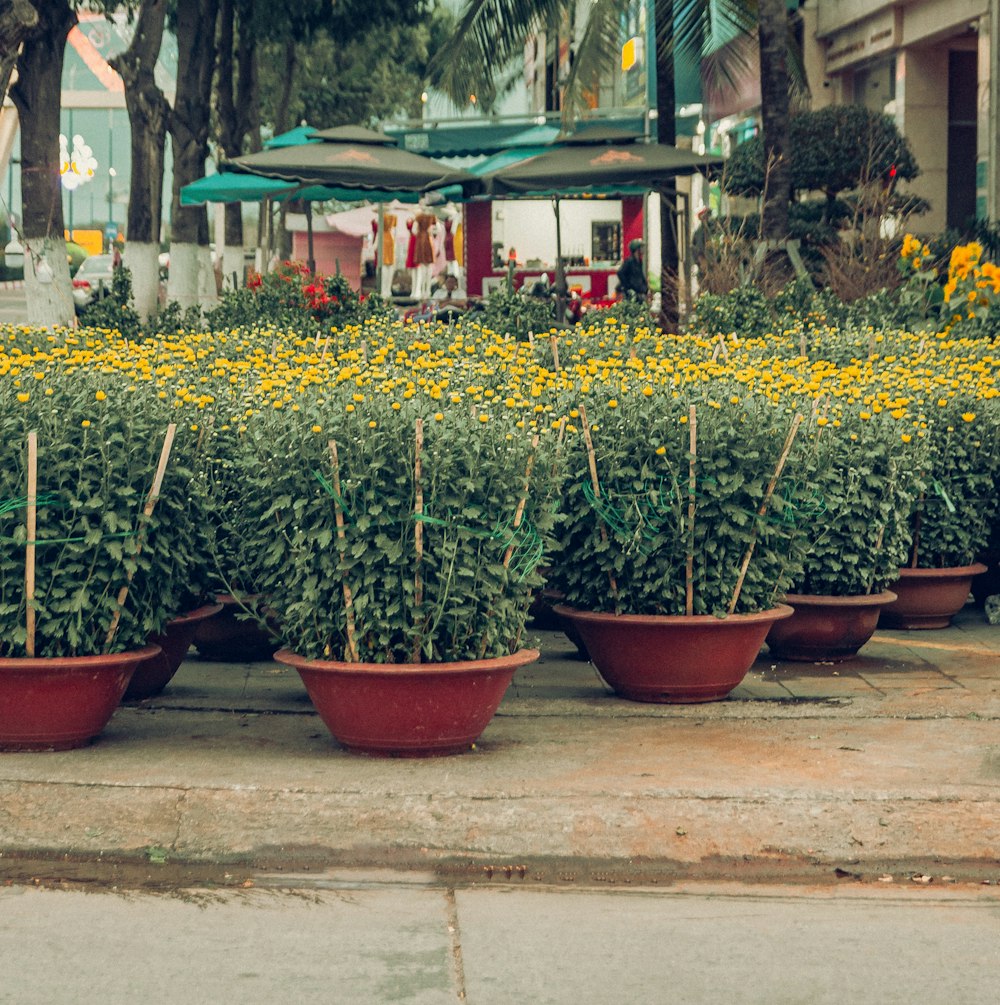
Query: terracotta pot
[929,598]
[673,658]
[407,709]
[227,637]
[825,628]
[61,702]
[153,675]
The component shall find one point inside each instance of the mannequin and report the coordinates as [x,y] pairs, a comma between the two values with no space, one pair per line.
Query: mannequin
[411,248]
[423,255]
[388,256]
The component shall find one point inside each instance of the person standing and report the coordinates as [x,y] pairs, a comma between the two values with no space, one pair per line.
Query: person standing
[632,282]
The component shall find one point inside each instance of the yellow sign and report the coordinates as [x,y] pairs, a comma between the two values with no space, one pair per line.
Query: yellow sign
[92,241]
[631,53]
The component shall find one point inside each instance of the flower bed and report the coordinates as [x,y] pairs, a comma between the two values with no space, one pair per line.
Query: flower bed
[256,408]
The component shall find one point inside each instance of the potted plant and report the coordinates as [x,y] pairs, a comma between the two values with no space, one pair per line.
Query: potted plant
[398,552]
[679,537]
[93,516]
[954,509]
[857,532]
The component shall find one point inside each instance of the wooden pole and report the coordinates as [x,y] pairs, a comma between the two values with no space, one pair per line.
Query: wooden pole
[29,551]
[418,536]
[786,450]
[154,495]
[592,461]
[554,343]
[338,515]
[692,485]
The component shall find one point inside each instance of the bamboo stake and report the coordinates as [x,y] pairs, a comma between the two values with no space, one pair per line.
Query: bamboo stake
[418,534]
[523,501]
[326,346]
[29,551]
[147,512]
[554,342]
[915,546]
[692,484]
[592,461]
[786,450]
[338,515]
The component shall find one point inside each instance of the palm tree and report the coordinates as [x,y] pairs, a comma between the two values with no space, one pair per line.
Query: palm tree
[490,35]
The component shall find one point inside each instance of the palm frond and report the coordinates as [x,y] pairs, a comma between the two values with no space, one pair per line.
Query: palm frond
[489,35]
[598,50]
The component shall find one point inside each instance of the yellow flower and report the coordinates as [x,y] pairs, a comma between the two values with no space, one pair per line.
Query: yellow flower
[100,396]
[23,397]
[85,423]
[438,416]
[349,408]
[660,451]
[822,421]
[372,424]
[968,416]
[317,429]
[613,403]
[906,437]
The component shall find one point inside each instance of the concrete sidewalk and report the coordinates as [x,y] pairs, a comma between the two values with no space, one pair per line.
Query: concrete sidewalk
[884,766]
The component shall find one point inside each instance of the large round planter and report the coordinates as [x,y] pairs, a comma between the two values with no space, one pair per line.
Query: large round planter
[153,675]
[407,709]
[929,598]
[228,637]
[824,628]
[61,702]
[673,658]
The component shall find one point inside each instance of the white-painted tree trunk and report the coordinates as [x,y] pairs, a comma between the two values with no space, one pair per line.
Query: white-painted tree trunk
[49,303]
[192,279]
[232,264]
[143,261]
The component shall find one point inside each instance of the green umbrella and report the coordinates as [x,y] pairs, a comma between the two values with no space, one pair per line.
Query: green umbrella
[353,158]
[598,162]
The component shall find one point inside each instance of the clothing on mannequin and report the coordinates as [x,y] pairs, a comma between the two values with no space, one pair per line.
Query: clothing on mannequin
[449,240]
[423,255]
[388,255]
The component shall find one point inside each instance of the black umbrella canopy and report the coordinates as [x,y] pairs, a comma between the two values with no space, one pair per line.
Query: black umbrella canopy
[353,157]
[598,160]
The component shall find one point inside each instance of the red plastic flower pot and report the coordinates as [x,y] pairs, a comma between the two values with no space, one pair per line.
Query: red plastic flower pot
[153,675]
[407,709]
[929,598]
[825,628]
[61,702]
[673,658]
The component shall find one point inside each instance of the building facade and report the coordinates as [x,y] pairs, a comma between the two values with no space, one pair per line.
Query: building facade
[930,65]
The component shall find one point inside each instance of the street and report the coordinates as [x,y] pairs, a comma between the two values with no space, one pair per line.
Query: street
[403,937]
[13,310]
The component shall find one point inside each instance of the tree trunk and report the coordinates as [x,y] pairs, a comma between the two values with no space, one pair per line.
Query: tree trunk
[17,18]
[666,134]
[239,115]
[36,96]
[281,118]
[149,116]
[192,282]
[773,36]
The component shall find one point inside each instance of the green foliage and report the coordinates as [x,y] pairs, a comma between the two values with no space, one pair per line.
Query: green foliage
[291,297]
[834,149]
[746,311]
[862,484]
[96,461]
[514,312]
[957,504]
[625,545]
[115,311]
[462,592]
